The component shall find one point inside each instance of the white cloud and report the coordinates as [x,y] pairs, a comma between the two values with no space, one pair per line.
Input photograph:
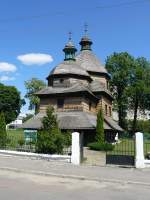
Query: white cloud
[7,67]
[35,59]
[6,78]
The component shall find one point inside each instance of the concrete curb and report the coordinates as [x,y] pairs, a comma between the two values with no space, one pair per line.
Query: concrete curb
[83,178]
[36,155]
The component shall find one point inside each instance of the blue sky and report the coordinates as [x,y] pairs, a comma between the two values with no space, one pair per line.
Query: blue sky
[29,28]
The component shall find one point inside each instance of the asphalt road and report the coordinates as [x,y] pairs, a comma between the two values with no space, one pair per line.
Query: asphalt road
[19,186]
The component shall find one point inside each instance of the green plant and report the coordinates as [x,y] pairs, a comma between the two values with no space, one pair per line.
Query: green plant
[101,146]
[21,141]
[50,139]
[3,134]
[100,137]
[67,138]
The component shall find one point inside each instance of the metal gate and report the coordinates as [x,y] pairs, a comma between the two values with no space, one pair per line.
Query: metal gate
[123,152]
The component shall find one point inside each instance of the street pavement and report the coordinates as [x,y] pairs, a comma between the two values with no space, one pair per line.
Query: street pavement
[20,186]
[67,170]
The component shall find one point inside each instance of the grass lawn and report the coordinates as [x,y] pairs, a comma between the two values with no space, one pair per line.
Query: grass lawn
[14,136]
[127,147]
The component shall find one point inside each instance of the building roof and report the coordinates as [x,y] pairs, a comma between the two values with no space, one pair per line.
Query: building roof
[78,87]
[75,120]
[97,86]
[89,62]
[69,67]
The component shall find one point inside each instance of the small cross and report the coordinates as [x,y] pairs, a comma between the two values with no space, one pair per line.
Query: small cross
[70,35]
[85,28]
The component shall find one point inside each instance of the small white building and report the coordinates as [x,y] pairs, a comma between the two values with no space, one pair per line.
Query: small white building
[17,123]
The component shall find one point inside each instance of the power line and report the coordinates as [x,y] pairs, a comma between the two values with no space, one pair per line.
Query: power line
[62,13]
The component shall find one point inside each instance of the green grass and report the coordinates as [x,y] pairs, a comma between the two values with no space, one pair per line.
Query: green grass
[127,147]
[13,138]
[124,147]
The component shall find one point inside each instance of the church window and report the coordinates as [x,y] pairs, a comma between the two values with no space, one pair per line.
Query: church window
[61,80]
[109,111]
[107,85]
[105,109]
[90,106]
[60,103]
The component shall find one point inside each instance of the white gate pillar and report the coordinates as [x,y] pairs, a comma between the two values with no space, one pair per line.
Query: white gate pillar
[139,160]
[76,148]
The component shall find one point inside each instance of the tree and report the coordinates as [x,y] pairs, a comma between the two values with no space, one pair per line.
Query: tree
[10,102]
[139,88]
[100,137]
[3,135]
[119,66]
[49,138]
[33,86]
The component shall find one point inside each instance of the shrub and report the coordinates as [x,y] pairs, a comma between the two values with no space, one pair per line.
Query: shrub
[21,141]
[67,138]
[50,139]
[101,146]
[142,125]
[100,137]
[3,134]
[49,143]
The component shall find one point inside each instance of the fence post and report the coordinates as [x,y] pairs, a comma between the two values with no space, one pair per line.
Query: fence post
[76,152]
[139,160]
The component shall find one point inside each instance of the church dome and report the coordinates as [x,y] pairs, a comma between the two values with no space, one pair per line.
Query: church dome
[69,67]
[89,62]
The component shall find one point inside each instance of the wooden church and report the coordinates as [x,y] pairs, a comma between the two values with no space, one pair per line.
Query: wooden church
[77,88]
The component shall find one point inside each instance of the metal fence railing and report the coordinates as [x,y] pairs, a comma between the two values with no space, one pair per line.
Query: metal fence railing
[22,144]
[147,149]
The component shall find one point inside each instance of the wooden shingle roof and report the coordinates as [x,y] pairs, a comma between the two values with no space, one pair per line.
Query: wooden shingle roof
[89,62]
[75,120]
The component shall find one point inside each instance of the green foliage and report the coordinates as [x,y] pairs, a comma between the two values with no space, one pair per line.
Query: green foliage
[141,125]
[139,88]
[10,102]
[50,120]
[67,138]
[50,139]
[32,86]
[100,137]
[3,134]
[130,85]
[101,146]
[21,141]
[119,66]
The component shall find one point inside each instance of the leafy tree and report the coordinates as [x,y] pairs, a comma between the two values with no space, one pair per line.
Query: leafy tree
[50,139]
[33,86]
[100,137]
[139,88]
[3,135]
[10,102]
[119,66]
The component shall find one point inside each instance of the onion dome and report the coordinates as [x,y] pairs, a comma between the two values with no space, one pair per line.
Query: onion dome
[69,50]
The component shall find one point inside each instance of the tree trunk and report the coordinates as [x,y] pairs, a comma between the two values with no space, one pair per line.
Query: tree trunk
[134,128]
[121,109]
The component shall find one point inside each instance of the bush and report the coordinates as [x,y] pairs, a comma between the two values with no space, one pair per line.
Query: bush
[21,142]
[100,136]
[49,143]
[3,134]
[142,125]
[67,138]
[101,146]
[50,140]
